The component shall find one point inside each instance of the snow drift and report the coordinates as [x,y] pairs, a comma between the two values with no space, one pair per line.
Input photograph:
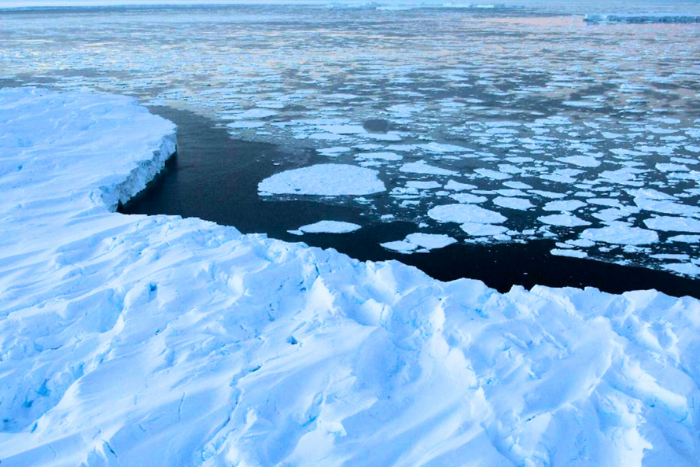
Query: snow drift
[134,340]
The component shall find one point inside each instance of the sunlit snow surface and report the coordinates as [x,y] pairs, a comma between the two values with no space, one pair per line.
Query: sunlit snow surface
[566,130]
[135,340]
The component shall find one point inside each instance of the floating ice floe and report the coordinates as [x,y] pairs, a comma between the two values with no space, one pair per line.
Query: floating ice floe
[688,269]
[563,220]
[581,161]
[620,233]
[476,229]
[568,205]
[324,180]
[422,167]
[335,227]
[572,253]
[673,224]
[420,242]
[461,213]
[520,204]
[334,151]
[457,186]
[468,198]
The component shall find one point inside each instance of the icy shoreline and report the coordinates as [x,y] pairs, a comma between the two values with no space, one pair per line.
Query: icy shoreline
[157,340]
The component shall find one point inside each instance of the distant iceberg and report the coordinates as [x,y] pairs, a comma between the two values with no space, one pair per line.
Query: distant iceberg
[642,19]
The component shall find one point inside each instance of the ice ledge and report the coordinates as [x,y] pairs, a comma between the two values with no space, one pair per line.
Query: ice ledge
[138,178]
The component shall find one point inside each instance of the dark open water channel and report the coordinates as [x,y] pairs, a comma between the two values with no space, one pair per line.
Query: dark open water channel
[215,178]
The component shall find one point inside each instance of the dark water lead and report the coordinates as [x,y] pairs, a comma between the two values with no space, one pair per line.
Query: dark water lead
[215,177]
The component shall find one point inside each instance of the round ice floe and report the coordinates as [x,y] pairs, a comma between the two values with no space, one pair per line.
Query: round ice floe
[482,230]
[568,205]
[488,173]
[452,185]
[563,220]
[689,269]
[620,233]
[400,246]
[334,151]
[430,241]
[421,167]
[570,253]
[513,203]
[462,213]
[468,198]
[419,240]
[581,161]
[673,224]
[336,227]
[422,185]
[685,238]
[324,180]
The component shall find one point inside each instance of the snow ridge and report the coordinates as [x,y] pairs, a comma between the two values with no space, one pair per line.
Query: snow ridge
[157,340]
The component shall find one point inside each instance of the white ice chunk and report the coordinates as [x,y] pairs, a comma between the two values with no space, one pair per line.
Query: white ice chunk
[569,252]
[581,161]
[457,186]
[521,204]
[476,229]
[564,205]
[430,241]
[324,180]
[335,227]
[468,198]
[422,167]
[620,233]
[563,220]
[673,224]
[462,213]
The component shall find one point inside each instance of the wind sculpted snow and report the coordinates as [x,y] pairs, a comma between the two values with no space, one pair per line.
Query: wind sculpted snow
[134,340]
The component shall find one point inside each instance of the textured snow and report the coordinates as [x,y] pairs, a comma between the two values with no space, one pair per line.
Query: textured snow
[330,227]
[157,340]
[324,180]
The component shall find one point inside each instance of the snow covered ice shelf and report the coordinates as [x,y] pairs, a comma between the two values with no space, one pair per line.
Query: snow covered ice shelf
[134,340]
